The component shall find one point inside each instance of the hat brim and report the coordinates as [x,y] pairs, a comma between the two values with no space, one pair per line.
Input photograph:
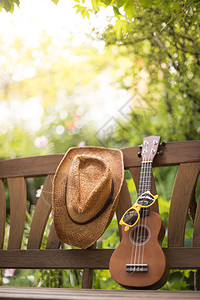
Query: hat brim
[83,236]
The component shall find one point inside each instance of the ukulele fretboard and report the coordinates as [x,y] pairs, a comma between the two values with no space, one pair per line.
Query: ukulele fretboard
[145,183]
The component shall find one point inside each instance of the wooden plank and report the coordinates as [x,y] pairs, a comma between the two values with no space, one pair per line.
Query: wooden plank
[41,214]
[123,204]
[181,197]
[17,192]
[196,232]
[53,241]
[2,214]
[30,293]
[87,278]
[178,258]
[135,173]
[30,166]
[174,153]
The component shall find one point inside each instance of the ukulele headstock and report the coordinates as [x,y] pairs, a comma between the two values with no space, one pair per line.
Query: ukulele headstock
[150,147]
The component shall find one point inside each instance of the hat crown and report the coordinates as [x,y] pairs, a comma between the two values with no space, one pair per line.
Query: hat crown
[88,186]
[84,234]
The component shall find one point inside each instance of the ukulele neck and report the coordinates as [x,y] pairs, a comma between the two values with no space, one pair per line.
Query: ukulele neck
[145,183]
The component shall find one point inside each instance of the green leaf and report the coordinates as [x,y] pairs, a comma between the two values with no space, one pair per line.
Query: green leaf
[16,2]
[146,3]
[120,3]
[158,2]
[55,1]
[95,4]
[108,2]
[175,6]
[116,10]
[1,4]
[129,9]
[120,27]
[7,5]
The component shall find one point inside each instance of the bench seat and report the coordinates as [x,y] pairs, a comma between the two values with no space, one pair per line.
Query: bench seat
[27,293]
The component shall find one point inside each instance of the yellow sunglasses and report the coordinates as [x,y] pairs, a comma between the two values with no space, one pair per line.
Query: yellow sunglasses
[132,215]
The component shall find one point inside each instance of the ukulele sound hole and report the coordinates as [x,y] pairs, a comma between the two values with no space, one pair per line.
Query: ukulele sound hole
[139,235]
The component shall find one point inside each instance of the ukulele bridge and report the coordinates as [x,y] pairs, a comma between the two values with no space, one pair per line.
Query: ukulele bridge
[136,268]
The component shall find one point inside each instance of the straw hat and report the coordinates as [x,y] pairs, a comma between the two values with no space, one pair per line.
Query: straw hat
[86,189]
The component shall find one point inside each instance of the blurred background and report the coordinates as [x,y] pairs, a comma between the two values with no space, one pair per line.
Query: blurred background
[92,72]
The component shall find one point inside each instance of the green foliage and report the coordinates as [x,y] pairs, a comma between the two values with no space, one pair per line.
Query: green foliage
[9,5]
[163,73]
[55,1]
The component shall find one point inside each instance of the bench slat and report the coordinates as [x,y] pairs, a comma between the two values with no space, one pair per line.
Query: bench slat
[196,232]
[2,214]
[17,192]
[41,214]
[53,242]
[30,166]
[87,278]
[181,196]
[174,154]
[123,204]
[29,293]
[178,258]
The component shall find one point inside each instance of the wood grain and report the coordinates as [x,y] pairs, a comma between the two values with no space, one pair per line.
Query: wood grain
[181,196]
[41,214]
[151,253]
[30,166]
[174,154]
[123,204]
[29,293]
[178,257]
[196,232]
[53,241]
[2,213]
[87,278]
[17,192]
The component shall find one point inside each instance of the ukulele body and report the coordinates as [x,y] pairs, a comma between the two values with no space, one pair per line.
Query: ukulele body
[141,247]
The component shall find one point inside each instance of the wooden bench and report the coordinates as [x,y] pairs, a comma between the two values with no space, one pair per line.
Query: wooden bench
[186,155]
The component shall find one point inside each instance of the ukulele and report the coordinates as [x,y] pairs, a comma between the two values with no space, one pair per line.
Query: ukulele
[139,262]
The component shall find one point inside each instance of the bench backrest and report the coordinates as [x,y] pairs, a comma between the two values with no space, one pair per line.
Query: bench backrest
[186,155]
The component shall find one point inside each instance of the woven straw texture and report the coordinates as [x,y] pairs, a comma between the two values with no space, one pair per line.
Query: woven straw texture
[81,187]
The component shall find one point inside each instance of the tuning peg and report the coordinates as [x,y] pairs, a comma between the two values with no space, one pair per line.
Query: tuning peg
[163,144]
[139,154]
[140,146]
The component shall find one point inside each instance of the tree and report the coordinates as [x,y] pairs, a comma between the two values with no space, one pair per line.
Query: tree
[161,38]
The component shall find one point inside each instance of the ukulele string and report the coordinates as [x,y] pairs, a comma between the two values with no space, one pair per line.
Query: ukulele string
[148,187]
[137,230]
[142,215]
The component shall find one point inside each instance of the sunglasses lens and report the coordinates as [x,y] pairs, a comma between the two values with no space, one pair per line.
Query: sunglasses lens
[130,217]
[145,200]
